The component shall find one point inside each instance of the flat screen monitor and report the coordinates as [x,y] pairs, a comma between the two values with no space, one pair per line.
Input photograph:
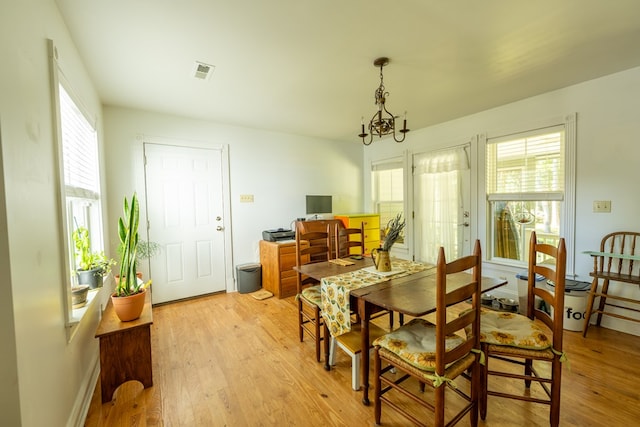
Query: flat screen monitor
[319,205]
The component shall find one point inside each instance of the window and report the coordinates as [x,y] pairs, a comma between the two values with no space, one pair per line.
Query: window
[529,188]
[81,173]
[79,180]
[387,191]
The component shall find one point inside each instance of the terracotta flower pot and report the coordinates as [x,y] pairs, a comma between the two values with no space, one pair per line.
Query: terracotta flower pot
[130,307]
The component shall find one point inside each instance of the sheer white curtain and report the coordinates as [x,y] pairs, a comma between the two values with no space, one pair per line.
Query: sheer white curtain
[438,202]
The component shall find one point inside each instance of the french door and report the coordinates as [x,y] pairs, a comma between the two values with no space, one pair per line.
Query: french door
[441,183]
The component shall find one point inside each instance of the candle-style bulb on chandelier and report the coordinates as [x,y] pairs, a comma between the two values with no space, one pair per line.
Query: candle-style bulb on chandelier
[383,122]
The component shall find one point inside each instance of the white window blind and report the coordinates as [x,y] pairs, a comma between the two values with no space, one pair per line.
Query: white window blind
[388,182]
[80,150]
[528,166]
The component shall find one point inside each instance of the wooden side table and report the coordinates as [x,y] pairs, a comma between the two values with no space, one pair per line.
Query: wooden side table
[125,349]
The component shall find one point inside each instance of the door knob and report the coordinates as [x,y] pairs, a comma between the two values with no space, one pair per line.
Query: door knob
[219,228]
[218,218]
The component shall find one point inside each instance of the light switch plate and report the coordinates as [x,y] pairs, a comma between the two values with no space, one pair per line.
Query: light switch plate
[246,198]
[602,206]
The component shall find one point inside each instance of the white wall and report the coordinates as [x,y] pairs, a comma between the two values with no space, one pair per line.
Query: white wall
[607,166]
[277,169]
[44,378]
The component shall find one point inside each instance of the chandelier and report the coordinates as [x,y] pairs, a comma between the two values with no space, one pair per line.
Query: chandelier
[383,122]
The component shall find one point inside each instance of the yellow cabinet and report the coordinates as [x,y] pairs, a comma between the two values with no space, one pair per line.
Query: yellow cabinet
[371,224]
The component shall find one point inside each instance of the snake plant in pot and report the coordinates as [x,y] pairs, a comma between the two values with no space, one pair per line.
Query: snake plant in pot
[130,293]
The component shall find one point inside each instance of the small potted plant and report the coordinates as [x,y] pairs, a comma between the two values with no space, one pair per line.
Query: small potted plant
[91,266]
[130,293]
[392,233]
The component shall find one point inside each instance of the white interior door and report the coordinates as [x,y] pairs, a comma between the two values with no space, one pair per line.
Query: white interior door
[185,213]
[442,200]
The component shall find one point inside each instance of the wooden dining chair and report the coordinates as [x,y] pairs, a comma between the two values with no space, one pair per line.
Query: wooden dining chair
[311,247]
[349,241]
[434,354]
[515,339]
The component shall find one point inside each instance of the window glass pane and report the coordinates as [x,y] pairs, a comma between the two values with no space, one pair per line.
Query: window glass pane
[513,222]
[387,181]
[80,147]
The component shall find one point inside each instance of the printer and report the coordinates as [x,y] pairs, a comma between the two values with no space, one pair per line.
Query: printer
[278,234]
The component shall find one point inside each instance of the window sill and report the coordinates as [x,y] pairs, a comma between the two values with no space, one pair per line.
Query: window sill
[78,313]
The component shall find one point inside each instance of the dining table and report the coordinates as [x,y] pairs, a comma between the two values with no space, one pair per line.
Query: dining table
[412,294]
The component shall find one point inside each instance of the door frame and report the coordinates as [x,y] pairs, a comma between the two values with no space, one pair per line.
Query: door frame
[226,194]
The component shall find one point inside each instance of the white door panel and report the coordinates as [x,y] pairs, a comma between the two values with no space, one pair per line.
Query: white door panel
[441,183]
[185,210]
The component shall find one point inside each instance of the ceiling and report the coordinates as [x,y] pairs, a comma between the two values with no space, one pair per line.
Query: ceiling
[306,67]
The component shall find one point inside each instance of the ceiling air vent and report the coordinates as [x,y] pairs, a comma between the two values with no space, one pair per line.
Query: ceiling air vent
[203,71]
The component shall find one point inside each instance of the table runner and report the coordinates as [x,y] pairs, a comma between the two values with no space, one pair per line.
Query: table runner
[335,291]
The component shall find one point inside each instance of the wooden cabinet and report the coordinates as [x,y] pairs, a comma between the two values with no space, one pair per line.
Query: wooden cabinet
[278,260]
[371,228]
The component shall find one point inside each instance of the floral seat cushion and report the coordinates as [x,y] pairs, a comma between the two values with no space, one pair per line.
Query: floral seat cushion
[514,330]
[312,294]
[415,342]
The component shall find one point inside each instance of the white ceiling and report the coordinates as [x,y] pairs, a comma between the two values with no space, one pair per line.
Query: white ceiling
[306,67]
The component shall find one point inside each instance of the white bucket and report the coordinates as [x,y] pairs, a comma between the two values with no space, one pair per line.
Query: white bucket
[575,307]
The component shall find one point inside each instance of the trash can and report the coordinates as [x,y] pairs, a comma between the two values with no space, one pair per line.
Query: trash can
[249,277]
[575,303]
[523,291]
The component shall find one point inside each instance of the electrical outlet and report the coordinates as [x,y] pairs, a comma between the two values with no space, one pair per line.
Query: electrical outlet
[602,206]
[246,198]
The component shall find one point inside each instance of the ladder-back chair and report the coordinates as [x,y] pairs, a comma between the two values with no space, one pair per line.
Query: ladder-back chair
[434,354]
[510,339]
[311,247]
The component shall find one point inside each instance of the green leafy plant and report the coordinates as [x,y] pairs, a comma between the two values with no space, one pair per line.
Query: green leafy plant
[85,258]
[146,249]
[127,283]
[393,231]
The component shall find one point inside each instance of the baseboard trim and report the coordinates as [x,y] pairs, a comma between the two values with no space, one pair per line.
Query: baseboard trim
[82,403]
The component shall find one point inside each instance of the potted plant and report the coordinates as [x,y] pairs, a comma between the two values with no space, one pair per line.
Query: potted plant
[91,266]
[130,293]
[392,233]
[146,250]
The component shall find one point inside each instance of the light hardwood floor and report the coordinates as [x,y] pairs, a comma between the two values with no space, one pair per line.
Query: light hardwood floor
[231,360]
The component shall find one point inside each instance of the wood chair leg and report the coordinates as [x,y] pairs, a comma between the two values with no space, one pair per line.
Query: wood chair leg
[603,299]
[475,388]
[589,310]
[556,374]
[527,371]
[439,405]
[300,320]
[484,376]
[377,386]
[318,336]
